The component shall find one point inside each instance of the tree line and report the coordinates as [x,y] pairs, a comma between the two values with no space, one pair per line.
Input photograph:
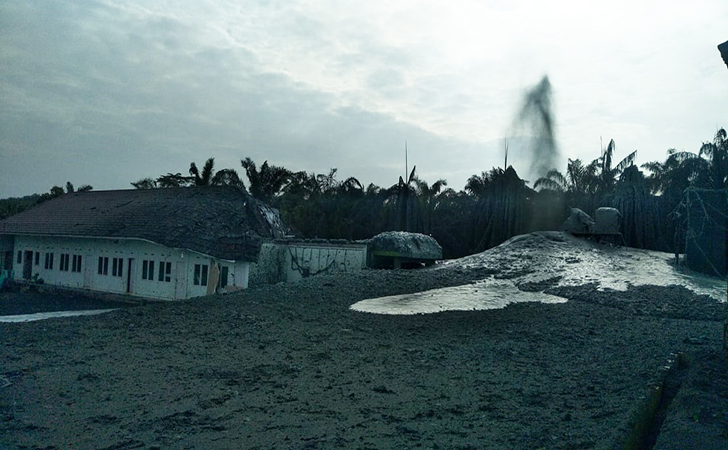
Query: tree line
[492,206]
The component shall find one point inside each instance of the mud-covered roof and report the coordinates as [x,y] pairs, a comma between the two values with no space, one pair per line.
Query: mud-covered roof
[406,245]
[220,221]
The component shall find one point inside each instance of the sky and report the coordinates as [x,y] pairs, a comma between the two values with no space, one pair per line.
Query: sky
[104,93]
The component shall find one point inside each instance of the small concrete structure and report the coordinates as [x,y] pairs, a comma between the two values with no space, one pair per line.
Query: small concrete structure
[607,221]
[606,227]
[578,222]
[285,260]
[396,249]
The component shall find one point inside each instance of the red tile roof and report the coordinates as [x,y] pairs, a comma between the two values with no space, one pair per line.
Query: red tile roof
[219,221]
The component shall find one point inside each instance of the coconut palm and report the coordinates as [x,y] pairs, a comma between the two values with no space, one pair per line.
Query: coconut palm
[477,184]
[172,180]
[267,182]
[553,181]
[428,199]
[144,183]
[605,175]
[208,176]
[403,196]
[717,153]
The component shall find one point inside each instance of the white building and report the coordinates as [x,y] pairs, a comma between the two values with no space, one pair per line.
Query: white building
[157,243]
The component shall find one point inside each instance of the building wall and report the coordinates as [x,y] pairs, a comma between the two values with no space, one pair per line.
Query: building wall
[282,261]
[269,268]
[185,278]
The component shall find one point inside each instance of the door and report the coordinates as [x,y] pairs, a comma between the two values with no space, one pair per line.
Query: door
[28,265]
[180,281]
[88,271]
[130,276]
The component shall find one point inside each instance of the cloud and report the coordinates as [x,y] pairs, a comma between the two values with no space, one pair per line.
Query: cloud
[105,93]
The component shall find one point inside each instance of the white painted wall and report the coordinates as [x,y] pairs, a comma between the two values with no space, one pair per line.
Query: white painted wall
[306,260]
[284,261]
[180,286]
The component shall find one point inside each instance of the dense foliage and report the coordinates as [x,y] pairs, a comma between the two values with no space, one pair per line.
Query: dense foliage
[492,207]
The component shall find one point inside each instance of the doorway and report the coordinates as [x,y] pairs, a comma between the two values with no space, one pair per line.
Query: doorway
[28,265]
[130,276]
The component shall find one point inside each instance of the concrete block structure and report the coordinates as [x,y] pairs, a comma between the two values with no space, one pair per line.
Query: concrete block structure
[286,260]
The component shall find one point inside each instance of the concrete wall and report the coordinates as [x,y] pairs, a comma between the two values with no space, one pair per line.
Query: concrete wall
[282,261]
[130,255]
[269,268]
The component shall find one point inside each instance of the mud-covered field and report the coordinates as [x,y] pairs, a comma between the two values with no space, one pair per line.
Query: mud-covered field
[291,366]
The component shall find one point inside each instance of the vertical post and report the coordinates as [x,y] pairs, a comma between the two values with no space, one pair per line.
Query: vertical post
[406,166]
[505,143]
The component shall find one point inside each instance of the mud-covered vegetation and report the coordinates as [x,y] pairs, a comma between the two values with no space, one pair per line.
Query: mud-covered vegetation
[492,206]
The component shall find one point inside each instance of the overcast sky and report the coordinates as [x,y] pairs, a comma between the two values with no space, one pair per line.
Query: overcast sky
[105,93]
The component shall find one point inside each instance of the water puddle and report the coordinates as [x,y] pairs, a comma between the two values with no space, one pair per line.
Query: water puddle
[51,315]
[486,294]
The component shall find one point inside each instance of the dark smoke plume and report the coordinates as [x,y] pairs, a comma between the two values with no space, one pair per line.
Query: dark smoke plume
[536,119]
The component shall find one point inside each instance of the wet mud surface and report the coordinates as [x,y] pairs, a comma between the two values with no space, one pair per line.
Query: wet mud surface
[291,366]
[42,299]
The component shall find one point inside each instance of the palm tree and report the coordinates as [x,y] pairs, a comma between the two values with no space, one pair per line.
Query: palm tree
[477,184]
[267,182]
[57,191]
[172,180]
[717,153]
[605,175]
[144,183]
[350,187]
[227,177]
[208,176]
[553,181]
[428,197]
[203,178]
[579,176]
[403,196]
[578,185]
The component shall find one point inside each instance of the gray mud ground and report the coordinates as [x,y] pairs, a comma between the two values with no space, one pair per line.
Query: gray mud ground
[290,366]
[40,299]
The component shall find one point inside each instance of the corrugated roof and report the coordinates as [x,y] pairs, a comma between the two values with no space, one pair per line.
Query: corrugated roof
[220,221]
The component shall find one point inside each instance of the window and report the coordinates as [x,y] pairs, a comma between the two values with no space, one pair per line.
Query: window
[147,270]
[20,257]
[103,265]
[76,263]
[37,258]
[165,271]
[224,276]
[117,268]
[64,261]
[48,261]
[200,275]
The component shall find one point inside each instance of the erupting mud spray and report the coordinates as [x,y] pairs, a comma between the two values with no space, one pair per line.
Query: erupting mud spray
[535,122]
[536,119]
